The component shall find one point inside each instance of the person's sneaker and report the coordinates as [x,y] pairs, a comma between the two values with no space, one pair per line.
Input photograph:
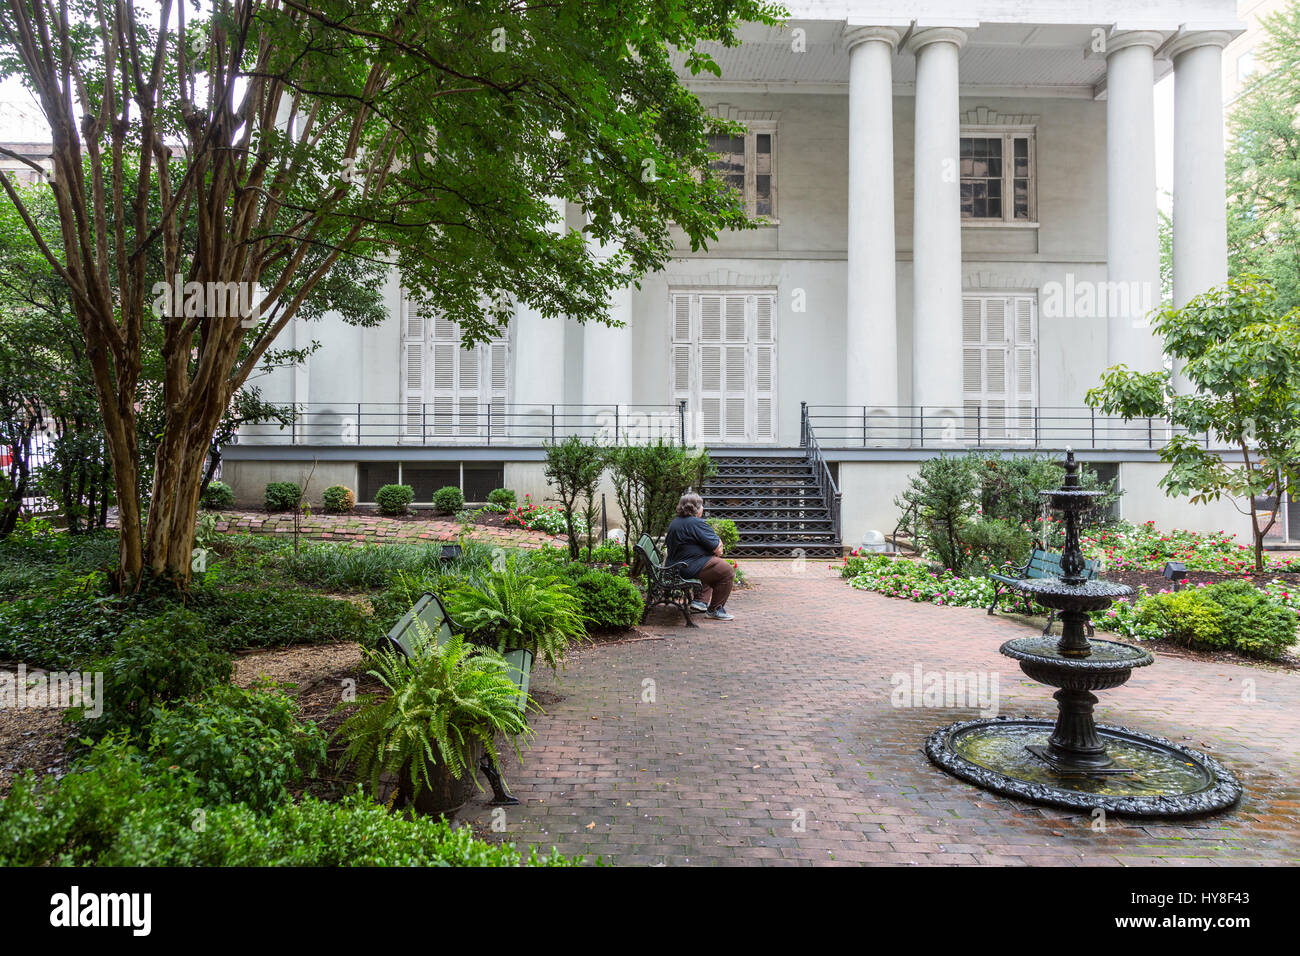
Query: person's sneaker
[699,607]
[719,615]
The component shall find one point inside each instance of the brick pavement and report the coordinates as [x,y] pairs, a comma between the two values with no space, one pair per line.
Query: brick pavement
[785,713]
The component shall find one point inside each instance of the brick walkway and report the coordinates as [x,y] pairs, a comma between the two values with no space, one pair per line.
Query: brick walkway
[785,714]
[355,527]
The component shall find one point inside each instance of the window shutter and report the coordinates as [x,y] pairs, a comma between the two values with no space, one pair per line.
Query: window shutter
[999,366]
[413,387]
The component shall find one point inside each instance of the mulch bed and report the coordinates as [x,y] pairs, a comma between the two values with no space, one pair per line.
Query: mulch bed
[1155,581]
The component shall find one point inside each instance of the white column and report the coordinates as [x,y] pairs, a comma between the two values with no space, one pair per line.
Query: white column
[1132,237]
[607,360]
[936,233]
[871,310]
[537,354]
[1201,243]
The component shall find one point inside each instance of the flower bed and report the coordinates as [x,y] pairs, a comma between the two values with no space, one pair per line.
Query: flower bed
[549,519]
[1145,548]
[1145,616]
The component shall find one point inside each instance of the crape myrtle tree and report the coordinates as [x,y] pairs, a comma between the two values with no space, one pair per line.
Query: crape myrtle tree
[1241,352]
[46,385]
[261,144]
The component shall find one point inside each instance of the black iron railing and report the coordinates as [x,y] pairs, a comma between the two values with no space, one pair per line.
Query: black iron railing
[979,426]
[821,469]
[468,423]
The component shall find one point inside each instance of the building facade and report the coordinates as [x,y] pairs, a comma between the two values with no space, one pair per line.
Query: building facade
[959,235]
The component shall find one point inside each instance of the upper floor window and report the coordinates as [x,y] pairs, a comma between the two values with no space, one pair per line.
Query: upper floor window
[748,164]
[997,176]
[1246,66]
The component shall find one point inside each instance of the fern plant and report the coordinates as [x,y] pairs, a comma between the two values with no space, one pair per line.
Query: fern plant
[511,609]
[439,704]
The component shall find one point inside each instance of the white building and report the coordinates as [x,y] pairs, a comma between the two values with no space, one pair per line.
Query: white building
[962,235]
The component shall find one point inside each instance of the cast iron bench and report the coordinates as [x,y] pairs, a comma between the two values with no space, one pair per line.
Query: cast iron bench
[1041,564]
[666,583]
[430,611]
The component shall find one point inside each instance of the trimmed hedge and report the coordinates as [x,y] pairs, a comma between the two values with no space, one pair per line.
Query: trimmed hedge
[282,496]
[338,499]
[448,500]
[217,495]
[394,499]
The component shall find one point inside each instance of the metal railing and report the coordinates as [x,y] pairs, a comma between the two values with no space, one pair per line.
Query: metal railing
[468,423]
[1039,426]
[821,469]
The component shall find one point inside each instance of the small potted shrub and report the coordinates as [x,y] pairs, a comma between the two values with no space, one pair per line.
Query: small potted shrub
[394,499]
[282,496]
[448,500]
[216,496]
[503,498]
[338,499]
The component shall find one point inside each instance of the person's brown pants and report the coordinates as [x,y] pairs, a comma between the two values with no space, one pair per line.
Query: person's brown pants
[716,576]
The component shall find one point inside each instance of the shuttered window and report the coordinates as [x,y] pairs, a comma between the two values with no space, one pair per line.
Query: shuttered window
[724,364]
[999,366]
[450,391]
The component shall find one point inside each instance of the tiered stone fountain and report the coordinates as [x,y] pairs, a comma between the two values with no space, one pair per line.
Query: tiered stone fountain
[1074,762]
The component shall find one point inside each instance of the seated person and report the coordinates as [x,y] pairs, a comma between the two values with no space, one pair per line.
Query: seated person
[692,542]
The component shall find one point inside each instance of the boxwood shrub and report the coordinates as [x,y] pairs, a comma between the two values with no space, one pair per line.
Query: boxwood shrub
[217,495]
[394,499]
[282,496]
[338,499]
[609,601]
[502,498]
[448,500]
[1233,615]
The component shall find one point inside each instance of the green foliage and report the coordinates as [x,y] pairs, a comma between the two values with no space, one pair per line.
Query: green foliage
[163,659]
[1230,614]
[69,630]
[608,553]
[394,499]
[993,543]
[501,497]
[282,496]
[440,705]
[609,601]
[511,608]
[573,468]
[1241,354]
[448,500]
[1263,181]
[120,807]
[649,480]
[338,499]
[346,567]
[976,511]
[242,746]
[941,496]
[726,529]
[217,496]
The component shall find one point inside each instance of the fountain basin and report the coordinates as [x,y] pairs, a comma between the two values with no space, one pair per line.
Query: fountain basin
[1108,663]
[1165,779]
[1093,595]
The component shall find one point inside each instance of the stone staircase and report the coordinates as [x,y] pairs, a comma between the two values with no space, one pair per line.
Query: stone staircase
[776,503]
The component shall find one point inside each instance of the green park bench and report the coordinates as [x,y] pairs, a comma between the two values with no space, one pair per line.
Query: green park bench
[429,611]
[1041,564]
[665,583]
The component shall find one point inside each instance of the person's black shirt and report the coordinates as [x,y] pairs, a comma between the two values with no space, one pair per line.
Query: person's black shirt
[692,541]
